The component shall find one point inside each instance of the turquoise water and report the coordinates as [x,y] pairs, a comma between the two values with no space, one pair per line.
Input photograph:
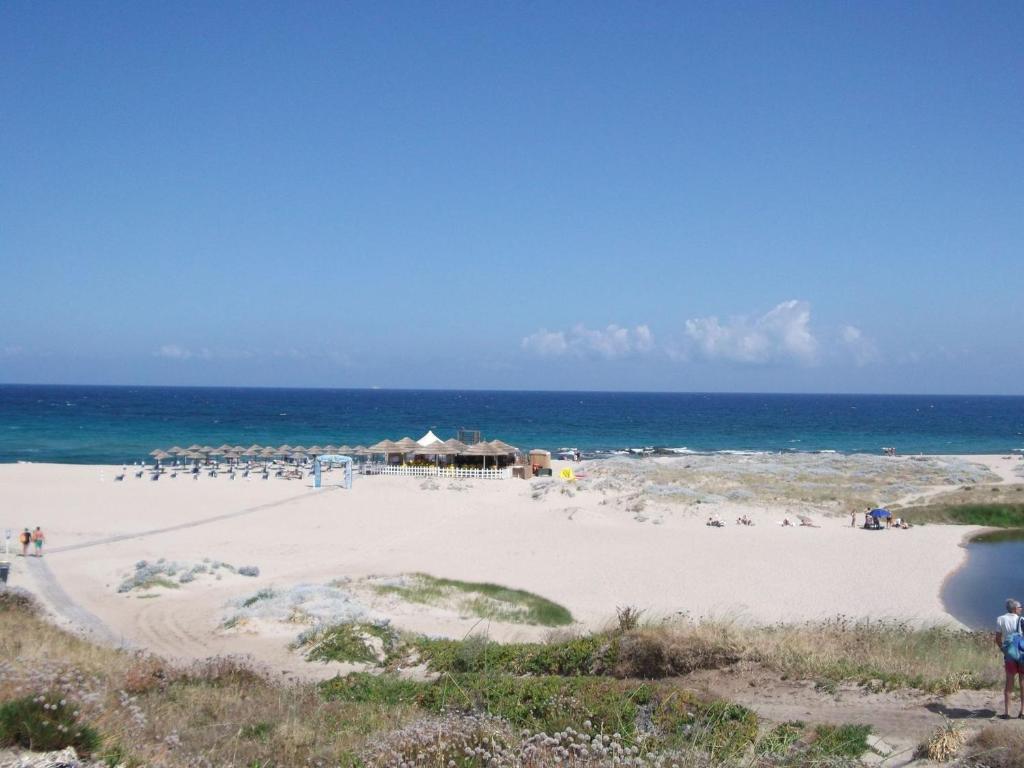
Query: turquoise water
[993,572]
[116,424]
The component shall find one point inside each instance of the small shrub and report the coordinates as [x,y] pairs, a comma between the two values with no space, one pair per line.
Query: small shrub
[249,570]
[256,731]
[628,618]
[45,724]
[145,674]
[353,643]
[17,600]
[944,744]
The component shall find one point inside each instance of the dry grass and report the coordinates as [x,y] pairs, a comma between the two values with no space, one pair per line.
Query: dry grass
[879,655]
[995,747]
[218,712]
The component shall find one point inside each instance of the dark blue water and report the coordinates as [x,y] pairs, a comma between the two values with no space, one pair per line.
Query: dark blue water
[994,571]
[115,424]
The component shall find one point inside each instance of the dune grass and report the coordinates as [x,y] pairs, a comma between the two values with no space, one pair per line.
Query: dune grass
[991,506]
[618,685]
[482,599]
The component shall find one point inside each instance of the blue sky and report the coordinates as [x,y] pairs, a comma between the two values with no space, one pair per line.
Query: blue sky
[809,196]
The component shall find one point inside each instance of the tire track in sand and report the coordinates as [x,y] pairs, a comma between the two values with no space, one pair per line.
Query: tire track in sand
[86,622]
[182,526]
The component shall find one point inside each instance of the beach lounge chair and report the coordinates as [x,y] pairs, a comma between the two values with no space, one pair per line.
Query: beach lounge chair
[138,474]
[155,476]
[119,478]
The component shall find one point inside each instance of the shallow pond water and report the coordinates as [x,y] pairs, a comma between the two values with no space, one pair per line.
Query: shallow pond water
[994,571]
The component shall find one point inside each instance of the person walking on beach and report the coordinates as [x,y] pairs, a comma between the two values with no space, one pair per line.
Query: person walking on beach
[853,519]
[38,537]
[1008,624]
[25,538]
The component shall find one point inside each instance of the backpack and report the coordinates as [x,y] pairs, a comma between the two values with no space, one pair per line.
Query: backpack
[1013,646]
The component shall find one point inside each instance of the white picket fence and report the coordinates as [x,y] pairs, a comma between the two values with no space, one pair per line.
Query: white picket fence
[454,472]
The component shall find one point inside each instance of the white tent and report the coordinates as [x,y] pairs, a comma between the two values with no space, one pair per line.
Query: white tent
[429,439]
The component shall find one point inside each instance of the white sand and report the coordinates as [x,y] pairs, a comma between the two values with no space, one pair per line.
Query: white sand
[584,551]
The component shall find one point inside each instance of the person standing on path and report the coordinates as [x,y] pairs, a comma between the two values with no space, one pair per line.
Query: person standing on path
[853,519]
[1008,624]
[38,537]
[25,537]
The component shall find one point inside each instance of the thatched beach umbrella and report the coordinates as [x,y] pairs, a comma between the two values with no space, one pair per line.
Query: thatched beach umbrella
[483,450]
[438,450]
[385,447]
[155,451]
[316,449]
[176,450]
[252,450]
[284,448]
[159,455]
[505,448]
[194,447]
[341,449]
[458,445]
[222,449]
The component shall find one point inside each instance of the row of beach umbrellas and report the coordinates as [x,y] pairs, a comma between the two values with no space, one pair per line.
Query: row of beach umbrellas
[406,445]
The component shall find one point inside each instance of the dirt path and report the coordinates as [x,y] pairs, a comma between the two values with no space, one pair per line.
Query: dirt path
[68,612]
[903,719]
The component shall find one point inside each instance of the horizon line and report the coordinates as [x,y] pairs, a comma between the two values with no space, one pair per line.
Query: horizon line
[498,390]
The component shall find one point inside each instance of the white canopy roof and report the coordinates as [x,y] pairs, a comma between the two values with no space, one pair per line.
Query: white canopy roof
[429,439]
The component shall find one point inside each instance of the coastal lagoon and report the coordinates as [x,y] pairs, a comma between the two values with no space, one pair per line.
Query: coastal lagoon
[994,570]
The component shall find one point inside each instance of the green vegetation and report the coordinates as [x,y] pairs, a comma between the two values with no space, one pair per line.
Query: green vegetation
[487,601]
[993,507]
[780,739]
[551,703]
[45,723]
[840,741]
[587,655]
[352,643]
[263,594]
[876,655]
[522,703]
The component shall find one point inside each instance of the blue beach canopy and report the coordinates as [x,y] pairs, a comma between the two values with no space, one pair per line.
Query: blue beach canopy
[880,513]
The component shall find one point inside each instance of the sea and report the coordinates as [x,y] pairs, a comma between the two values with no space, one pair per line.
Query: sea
[116,424]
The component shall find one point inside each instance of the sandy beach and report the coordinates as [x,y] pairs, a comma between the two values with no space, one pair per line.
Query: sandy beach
[632,532]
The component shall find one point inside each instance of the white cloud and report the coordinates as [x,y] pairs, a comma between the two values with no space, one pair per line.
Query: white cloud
[580,341]
[859,346]
[178,352]
[782,333]
[11,350]
[173,352]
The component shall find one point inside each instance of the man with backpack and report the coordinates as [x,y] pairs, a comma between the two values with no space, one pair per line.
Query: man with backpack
[1010,639]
